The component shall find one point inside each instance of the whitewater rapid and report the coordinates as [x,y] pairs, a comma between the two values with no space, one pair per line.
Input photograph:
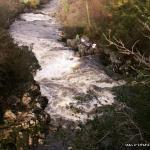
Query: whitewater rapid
[74,86]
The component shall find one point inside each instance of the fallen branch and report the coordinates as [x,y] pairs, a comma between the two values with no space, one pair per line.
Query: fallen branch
[137,56]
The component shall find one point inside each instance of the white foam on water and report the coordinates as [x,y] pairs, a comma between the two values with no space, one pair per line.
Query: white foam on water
[62,76]
[34,17]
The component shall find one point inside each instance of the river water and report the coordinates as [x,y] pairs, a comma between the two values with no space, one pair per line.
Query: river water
[74,86]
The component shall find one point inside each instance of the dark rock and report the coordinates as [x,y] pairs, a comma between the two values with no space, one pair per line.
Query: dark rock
[81,49]
[73,43]
[43,101]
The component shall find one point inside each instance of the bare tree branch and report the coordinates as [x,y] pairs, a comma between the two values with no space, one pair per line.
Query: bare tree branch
[138,57]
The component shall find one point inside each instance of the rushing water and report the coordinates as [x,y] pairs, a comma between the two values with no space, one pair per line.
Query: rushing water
[74,86]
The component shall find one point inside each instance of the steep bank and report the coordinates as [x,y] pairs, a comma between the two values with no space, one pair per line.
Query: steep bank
[22,116]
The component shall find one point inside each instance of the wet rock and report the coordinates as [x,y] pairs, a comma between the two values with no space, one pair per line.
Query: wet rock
[43,101]
[85,47]
[62,37]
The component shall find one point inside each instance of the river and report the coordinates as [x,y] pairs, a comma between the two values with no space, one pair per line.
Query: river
[74,86]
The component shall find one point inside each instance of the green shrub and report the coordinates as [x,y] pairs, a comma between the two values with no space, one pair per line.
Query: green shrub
[127,24]
[110,131]
[31,3]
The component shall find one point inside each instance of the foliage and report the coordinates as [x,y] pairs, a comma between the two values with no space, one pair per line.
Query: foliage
[127,34]
[15,63]
[31,3]
[111,130]
[137,96]
[126,24]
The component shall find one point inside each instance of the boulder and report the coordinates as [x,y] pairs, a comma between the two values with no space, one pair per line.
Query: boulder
[73,43]
[81,49]
[85,39]
[43,102]
[9,116]
[90,51]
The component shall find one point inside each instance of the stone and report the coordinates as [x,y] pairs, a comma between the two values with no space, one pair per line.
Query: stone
[81,49]
[73,43]
[9,115]
[84,39]
[38,105]
[26,99]
[43,101]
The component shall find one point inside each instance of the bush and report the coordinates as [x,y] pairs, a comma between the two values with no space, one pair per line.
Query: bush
[16,64]
[112,130]
[127,33]
[126,24]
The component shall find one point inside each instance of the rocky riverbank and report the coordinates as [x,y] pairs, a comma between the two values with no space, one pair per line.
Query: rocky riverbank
[23,121]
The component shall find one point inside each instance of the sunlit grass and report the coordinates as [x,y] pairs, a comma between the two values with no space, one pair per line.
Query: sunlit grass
[32,3]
